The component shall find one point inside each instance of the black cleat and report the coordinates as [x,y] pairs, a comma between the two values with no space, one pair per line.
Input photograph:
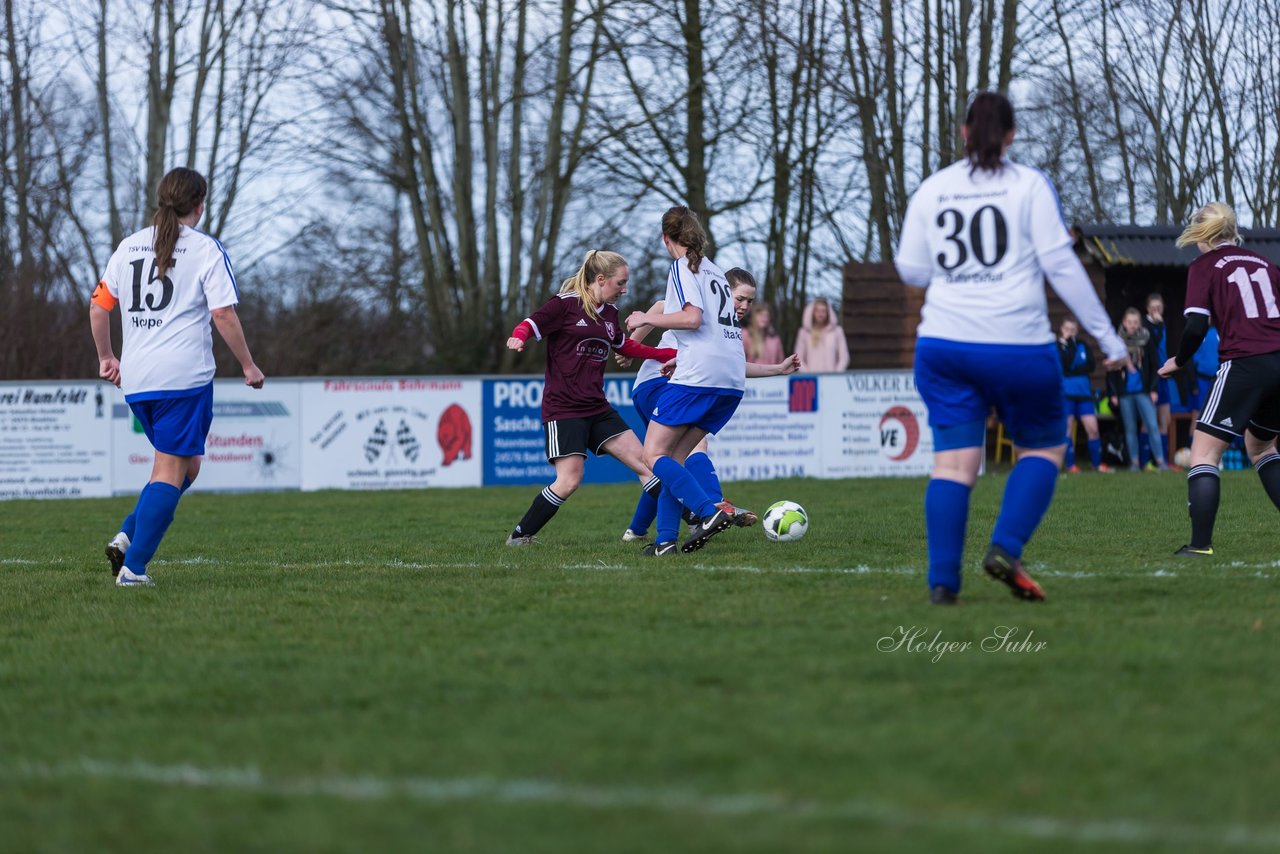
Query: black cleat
[709,527]
[940,595]
[744,518]
[1003,566]
[1194,551]
[660,549]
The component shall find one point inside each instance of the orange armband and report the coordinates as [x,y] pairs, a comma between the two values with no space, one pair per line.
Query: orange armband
[102,297]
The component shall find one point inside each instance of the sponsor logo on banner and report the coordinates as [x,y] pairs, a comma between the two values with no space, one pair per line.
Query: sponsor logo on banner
[394,433]
[872,425]
[253,441]
[54,441]
[514,445]
[774,432]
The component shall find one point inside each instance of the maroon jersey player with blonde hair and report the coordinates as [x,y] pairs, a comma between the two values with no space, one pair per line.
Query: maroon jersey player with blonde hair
[580,327]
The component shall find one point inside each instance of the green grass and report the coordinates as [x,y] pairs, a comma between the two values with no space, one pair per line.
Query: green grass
[376,671]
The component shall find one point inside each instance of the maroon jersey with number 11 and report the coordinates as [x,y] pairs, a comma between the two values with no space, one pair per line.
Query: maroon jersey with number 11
[1240,290]
[577,352]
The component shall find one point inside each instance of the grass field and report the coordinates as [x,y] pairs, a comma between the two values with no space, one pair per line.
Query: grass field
[377,671]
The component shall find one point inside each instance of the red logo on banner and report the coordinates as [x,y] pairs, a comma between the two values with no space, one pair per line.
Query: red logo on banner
[454,434]
[890,444]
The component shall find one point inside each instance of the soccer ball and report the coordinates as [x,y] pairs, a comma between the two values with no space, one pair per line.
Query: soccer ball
[1182,457]
[785,521]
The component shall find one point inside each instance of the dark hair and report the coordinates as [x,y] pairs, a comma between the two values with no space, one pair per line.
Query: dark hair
[180,192]
[988,122]
[681,226]
[738,276]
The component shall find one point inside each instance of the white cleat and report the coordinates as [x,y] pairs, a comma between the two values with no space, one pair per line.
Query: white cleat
[529,540]
[126,578]
[630,536]
[115,552]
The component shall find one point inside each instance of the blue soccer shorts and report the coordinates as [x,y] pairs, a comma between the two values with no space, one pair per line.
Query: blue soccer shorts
[960,382]
[680,405]
[177,425]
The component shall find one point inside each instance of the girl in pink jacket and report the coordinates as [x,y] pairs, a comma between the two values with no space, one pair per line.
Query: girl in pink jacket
[820,343]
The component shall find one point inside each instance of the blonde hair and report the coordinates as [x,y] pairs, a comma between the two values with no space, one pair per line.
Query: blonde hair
[598,262]
[816,332]
[1213,224]
[755,335]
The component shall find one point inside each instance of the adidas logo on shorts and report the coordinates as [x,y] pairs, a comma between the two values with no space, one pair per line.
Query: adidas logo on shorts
[1226,422]
[581,323]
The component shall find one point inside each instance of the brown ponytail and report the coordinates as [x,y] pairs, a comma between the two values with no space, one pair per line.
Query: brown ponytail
[681,226]
[180,192]
[988,122]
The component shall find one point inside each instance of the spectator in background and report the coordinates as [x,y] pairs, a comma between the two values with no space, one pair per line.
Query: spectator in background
[1159,351]
[1132,388]
[1077,389]
[820,343]
[762,342]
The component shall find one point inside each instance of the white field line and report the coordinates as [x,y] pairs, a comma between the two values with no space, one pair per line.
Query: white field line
[444,790]
[1189,569]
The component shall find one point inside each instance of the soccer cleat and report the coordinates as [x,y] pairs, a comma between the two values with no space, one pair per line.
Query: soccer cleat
[1003,566]
[528,540]
[630,536]
[744,518]
[1193,551]
[1103,468]
[709,527]
[115,552]
[126,578]
[690,518]
[940,595]
[660,549]
[1073,469]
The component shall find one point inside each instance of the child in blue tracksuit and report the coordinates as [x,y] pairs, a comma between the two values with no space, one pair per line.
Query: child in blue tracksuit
[1077,391]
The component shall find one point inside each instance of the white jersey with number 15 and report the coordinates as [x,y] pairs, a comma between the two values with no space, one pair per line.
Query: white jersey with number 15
[982,234]
[168,345]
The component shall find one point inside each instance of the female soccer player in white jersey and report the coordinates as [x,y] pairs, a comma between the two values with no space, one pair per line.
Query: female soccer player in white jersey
[710,371]
[982,234]
[645,392]
[171,280]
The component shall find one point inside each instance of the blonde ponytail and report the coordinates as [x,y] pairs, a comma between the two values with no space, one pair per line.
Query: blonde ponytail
[598,262]
[1215,223]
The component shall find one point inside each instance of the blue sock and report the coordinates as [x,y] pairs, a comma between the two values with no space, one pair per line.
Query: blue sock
[669,509]
[946,513]
[155,512]
[130,523]
[704,471]
[1144,449]
[1027,496]
[1071,453]
[1095,453]
[646,510]
[684,486]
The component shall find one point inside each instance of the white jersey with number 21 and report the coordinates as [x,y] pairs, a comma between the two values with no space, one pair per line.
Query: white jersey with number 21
[168,344]
[711,357]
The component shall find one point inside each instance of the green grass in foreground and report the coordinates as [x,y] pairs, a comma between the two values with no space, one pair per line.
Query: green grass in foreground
[376,671]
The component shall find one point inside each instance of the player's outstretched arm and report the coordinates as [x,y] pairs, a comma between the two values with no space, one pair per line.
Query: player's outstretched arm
[689,317]
[789,365]
[228,323]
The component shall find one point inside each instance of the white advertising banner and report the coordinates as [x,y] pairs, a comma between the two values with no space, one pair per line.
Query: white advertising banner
[773,434]
[54,439]
[390,433]
[874,424]
[254,442]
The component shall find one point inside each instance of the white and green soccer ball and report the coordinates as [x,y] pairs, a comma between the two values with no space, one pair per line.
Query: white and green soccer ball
[785,521]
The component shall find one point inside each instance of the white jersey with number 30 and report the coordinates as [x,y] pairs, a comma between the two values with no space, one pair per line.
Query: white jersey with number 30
[168,345]
[983,233]
[711,357]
